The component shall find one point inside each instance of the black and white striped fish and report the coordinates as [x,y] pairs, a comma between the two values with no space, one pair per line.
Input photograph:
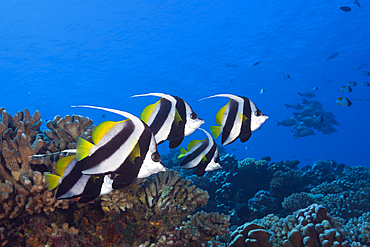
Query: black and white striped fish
[237,119]
[124,150]
[74,184]
[202,155]
[170,118]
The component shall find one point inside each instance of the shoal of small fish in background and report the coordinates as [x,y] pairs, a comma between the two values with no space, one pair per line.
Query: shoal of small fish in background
[309,115]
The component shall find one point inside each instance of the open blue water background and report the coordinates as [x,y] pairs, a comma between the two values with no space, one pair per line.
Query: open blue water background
[54,54]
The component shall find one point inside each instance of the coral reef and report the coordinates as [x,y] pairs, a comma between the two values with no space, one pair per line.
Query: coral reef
[18,142]
[29,195]
[311,226]
[157,206]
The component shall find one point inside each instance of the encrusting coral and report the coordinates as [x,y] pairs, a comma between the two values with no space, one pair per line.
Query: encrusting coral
[27,196]
[307,227]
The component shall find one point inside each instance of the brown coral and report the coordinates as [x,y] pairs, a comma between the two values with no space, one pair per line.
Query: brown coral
[18,142]
[69,128]
[250,235]
[29,195]
[158,206]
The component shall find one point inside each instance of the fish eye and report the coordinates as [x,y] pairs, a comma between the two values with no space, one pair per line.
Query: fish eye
[112,175]
[258,113]
[193,115]
[156,157]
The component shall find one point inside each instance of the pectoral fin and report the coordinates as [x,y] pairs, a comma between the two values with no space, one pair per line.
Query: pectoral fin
[215,131]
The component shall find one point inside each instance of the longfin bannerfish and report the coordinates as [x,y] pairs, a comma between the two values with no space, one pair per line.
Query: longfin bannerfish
[170,118]
[202,155]
[126,148]
[72,183]
[237,119]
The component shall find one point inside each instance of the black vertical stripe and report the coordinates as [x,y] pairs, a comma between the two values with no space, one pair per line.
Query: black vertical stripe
[178,131]
[230,120]
[196,153]
[131,169]
[245,131]
[93,186]
[201,168]
[105,151]
[69,181]
[161,116]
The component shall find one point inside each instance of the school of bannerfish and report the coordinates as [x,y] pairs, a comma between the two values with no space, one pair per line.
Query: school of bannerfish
[125,150]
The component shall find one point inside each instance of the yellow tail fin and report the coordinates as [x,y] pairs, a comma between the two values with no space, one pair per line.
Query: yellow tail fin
[52,180]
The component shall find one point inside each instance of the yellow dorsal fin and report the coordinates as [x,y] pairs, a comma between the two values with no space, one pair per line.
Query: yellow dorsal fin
[62,164]
[83,148]
[242,118]
[215,131]
[220,114]
[192,144]
[52,180]
[204,158]
[177,117]
[102,129]
[148,111]
[182,152]
[135,152]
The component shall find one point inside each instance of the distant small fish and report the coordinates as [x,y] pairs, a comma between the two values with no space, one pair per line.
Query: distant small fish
[256,63]
[328,80]
[303,133]
[314,88]
[287,122]
[318,118]
[345,8]
[246,148]
[334,55]
[361,98]
[343,101]
[352,84]
[286,76]
[367,73]
[360,66]
[307,94]
[104,115]
[232,65]
[366,84]
[294,106]
[357,3]
[262,91]
[346,89]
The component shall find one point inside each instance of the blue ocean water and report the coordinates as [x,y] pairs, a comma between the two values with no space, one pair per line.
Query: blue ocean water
[54,54]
